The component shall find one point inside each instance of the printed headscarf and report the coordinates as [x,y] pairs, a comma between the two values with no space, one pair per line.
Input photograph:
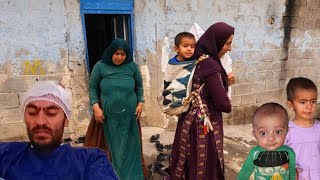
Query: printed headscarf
[213,40]
[115,45]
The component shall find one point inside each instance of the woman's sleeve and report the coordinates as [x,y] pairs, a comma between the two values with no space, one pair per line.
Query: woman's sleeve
[217,92]
[94,85]
[138,84]
[247,168]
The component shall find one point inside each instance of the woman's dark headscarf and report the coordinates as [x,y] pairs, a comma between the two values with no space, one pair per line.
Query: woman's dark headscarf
[213,40]
[113,47]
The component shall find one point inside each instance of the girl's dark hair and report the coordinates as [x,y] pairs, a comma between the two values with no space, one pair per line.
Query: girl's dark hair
[177,39]
[299,83]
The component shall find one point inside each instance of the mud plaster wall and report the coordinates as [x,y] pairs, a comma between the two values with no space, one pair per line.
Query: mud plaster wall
[40,40]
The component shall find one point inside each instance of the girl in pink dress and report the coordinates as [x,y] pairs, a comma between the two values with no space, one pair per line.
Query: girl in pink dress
[304,131]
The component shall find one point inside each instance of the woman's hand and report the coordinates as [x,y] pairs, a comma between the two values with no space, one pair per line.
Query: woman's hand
[231,78]
[98,113]
[139,110]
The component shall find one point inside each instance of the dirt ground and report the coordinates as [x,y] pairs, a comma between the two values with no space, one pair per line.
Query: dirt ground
[238,141]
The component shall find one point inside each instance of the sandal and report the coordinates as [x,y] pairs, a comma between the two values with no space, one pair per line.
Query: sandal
[80,140]
[68,140]
[154,138]
[161,157]
[151,171]
[168,146]
[159,146]
[161,169]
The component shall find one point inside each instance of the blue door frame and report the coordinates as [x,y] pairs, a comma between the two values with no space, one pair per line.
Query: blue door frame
[107,7]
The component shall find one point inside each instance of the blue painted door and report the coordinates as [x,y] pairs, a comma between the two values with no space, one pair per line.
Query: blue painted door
[120,17]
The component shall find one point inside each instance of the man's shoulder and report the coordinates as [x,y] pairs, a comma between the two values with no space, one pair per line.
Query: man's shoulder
[14,146]
[88,151]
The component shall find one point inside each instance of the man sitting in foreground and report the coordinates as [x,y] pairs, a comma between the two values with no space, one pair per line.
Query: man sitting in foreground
[47,109]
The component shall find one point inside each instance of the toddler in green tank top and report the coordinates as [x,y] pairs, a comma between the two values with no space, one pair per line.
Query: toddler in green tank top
[270,160]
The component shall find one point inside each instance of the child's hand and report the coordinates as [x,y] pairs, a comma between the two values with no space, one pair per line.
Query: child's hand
[231,78]
[202,58]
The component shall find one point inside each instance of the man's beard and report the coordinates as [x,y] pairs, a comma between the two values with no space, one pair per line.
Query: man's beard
[45,144]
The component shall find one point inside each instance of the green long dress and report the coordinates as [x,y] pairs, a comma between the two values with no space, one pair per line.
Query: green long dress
[120,89]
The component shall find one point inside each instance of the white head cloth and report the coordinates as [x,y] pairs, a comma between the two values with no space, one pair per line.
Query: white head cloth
[50,91]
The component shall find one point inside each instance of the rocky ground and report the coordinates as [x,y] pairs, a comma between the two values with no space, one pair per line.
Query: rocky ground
[237,143]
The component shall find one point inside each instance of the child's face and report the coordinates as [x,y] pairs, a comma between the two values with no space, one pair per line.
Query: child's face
[304,104]
[270,131]
[186,49]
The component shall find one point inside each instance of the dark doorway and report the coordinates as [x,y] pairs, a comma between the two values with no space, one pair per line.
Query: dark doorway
[101,29]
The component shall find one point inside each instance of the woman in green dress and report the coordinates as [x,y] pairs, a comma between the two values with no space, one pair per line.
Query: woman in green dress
[116,82]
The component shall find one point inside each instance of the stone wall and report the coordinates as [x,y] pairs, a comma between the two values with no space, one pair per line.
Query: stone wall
[302,24]
[40,40]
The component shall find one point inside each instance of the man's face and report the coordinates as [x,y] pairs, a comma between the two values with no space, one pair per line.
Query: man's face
[45,123]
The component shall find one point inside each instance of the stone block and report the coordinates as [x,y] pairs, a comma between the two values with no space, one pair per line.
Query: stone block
[278,74]
[318,24]
[310,23]
[292,63]
[11,116]
[239,67]
[272,84]
[310,54]
[277,65]
[313,62]
[236,100]
[9,100]
[308,71]
[263,97]
[312,3]
[6,68]
[294,53]
[248,99]
[300,2]
[297,22]
[15,84]
[292,72]
[237,121]
[241,78]
[316,12]
[15,131]
[263,66]
[242,89]
[275,95]
[258,86]
[248,119]
[305,12]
